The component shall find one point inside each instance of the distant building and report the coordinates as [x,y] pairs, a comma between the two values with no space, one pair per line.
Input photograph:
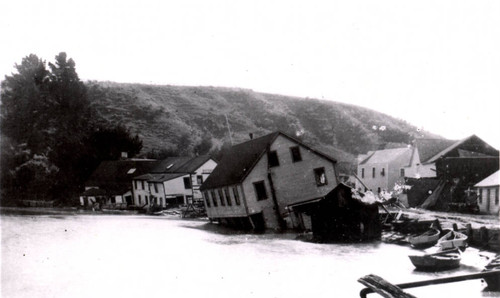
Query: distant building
[257,180]
[173,181]
[111,182]
[487,194]
[382,169]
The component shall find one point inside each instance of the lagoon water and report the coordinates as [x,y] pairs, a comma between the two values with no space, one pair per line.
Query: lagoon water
[145,256]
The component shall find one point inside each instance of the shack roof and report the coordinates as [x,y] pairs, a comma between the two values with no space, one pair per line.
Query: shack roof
[116,176]
[384,156]
[240,160]
[491,180]
[428,148]
[181,164]
[159,177]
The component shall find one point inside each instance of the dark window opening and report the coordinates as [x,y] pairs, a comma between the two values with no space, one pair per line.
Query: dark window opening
[402,173]
[228,197]
[199,179]
[320,176]
[236,196]
[295,154]
[207,199]
[221,198]
[156,187]
[362,173]
[373,172]
[383,172]
[260,190]
[214,199]
[273,159]
[187,183]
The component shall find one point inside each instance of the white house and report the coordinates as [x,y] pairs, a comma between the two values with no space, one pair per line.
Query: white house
[173,181]
[487,194]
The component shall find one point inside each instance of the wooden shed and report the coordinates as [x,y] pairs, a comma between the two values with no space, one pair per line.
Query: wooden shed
[339,216]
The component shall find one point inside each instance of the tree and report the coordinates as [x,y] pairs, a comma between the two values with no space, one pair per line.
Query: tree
[55,142]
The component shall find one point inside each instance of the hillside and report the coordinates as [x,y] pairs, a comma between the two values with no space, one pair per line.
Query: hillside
[179,116]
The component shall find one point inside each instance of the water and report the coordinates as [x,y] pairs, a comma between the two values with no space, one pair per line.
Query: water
[141,256]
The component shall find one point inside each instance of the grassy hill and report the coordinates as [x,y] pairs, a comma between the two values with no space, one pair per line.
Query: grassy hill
[179,117]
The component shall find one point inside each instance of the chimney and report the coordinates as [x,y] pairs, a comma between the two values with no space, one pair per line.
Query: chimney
[251,136]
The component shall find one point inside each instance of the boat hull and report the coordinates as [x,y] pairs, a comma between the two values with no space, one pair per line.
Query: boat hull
[438,261]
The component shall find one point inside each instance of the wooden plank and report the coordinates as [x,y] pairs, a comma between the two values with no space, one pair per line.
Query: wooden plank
[383,287]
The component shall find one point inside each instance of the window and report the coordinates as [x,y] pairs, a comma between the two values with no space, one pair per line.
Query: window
[228,197]
[272,157]
[142,184]
[260,190]
[140,200]
[402,173]
[496,196]
[295,151]
[236,195]
[221,197]
[363,173]
[135,182]
[214,200]
[488,193]
[207,199]
[156,187]
[480,196]
[146,199]
[199,179]
[320,176]
[187,183]
[373,172]
[383,172]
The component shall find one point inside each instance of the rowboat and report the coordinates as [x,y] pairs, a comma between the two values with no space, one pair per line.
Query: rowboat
[443,260]
[427,239]
[453,239]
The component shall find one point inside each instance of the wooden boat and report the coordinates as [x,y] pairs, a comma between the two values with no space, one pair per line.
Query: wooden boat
[443,260]
[453,239]
[427,239]
[493,281]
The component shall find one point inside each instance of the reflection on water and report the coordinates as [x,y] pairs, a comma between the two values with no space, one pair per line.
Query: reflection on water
[139,256]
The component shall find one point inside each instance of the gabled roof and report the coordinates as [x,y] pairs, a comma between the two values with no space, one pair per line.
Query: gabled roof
[159,177]
[116,176]
[240,160]
[450,148]
[181,164]
[384,156]
[428,148]
[491,180]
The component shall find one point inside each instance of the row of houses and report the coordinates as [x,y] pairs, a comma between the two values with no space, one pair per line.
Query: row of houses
[278,182]
[440,174]
[144,182]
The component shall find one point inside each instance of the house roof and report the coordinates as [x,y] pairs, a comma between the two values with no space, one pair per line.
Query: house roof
[473,138]
[116,176]
[384,156]
[428,148]
[181,164]
[159,177]
[240,160]
[491,180]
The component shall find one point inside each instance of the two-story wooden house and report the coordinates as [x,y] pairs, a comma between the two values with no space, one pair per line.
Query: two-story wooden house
[173,181]
[257,180]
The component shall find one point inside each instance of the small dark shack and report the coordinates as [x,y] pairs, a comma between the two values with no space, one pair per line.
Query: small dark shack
[339,216]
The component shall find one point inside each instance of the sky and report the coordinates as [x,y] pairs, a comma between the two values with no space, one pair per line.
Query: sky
[435,64]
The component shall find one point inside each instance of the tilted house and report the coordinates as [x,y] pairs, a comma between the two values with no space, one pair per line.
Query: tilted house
[112,181]
[487,194]
[173,181]
[257,180]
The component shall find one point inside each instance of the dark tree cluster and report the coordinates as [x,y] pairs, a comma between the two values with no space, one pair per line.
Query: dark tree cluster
[52,139]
